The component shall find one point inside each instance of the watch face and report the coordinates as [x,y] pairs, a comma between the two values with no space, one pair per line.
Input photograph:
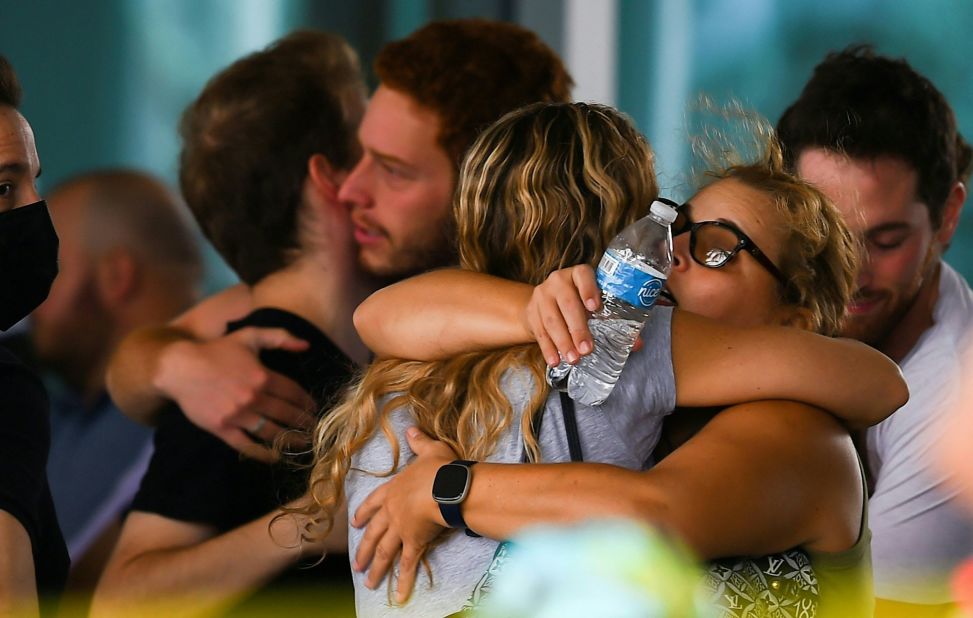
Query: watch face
[451,484]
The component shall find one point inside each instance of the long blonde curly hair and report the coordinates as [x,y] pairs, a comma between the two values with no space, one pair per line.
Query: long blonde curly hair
[546,187]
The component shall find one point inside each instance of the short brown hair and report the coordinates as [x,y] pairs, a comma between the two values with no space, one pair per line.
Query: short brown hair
[9,85]
[865,105]
[249,135]
[470,72]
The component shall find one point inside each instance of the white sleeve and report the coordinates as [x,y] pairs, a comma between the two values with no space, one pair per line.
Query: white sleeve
[920,532]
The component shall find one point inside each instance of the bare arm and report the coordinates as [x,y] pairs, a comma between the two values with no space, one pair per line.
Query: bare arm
[133,367]
[752,482]
[131,370]
[716,364]
[217,380]
[449,312]
[190,568]
[18,589]
[443,313]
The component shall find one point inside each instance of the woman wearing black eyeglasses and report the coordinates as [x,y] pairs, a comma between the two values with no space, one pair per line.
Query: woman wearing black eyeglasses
[755,247]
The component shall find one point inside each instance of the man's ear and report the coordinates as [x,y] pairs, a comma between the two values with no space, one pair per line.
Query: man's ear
[117,276]
[797,317]
[324,179]
[951,212]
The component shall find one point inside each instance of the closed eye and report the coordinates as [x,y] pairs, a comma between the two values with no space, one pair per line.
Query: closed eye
[888,245]
[889,237]
[394,171]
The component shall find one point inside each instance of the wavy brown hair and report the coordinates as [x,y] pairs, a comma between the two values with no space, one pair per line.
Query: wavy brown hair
[547,186]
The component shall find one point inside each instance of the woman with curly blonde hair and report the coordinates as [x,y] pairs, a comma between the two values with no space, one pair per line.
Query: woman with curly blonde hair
[546,187]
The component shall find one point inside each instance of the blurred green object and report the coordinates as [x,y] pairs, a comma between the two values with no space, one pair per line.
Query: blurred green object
[612,568]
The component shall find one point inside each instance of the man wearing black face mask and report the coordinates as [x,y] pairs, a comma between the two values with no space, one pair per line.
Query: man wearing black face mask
[33,557]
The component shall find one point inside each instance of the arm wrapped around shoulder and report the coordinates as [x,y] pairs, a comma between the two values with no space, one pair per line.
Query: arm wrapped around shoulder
[717,364]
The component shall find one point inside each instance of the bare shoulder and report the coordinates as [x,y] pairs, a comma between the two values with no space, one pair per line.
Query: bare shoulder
[208,319]
[805,448]
[789,421]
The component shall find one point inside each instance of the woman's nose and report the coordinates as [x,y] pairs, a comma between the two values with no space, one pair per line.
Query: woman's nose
[680,252]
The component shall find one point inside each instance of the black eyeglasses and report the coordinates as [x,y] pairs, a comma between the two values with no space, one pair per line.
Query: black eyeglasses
[714,243]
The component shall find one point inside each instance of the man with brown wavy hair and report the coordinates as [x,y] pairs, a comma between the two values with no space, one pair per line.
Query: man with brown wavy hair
[881,140]
[439,88]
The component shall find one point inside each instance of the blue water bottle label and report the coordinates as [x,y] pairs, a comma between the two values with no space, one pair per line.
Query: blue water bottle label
[635,282]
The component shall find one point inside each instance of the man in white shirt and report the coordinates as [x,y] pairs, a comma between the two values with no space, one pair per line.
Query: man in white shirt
[882,142]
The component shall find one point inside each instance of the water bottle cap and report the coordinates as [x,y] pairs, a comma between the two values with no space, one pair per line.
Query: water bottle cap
[664,209]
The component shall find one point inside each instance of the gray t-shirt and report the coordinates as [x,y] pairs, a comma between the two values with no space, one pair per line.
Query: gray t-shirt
[622,431]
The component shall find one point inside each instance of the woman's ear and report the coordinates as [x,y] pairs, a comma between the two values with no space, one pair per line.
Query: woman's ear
[324,179]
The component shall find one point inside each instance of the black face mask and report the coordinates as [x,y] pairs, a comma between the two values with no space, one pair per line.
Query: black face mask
[28,261]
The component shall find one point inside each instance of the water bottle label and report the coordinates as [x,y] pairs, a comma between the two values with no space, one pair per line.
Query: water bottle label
[635,282]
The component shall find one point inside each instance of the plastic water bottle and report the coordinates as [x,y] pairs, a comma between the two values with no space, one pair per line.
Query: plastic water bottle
[631,274]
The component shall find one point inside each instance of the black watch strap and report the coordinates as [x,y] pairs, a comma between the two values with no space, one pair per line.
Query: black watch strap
[453,515]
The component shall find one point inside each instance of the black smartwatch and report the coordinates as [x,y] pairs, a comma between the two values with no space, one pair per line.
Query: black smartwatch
[449,490]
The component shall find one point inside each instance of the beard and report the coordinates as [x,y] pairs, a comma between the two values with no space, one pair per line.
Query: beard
[892,305]
[413,258]
[875,327]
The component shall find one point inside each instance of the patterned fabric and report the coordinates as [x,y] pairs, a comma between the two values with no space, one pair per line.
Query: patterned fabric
[483,587]
[776,586]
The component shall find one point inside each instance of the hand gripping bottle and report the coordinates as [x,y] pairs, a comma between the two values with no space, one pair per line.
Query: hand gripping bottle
[631,274]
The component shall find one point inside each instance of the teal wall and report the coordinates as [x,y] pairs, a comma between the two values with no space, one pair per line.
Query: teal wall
[105,80]
[761,52]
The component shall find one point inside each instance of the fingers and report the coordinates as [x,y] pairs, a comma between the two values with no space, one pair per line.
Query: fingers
[548,349]
[260,426]
[558,313]
[297,407]
[553,324]
[243,443]
[257,339]
[575,316]
[378,525]
[276,404]
[386,552]
[408,565]
[587,285]
[284,413]
[424,446]
[370,506]
[418,441]
[547,323]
